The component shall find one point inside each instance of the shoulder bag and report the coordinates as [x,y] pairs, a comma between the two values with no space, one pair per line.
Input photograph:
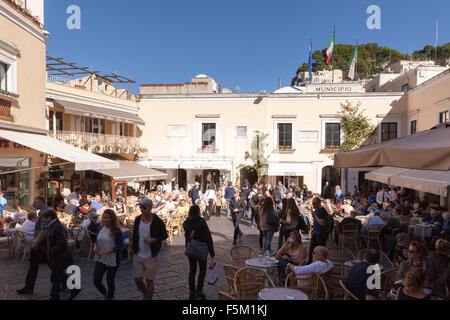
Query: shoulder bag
[196,248]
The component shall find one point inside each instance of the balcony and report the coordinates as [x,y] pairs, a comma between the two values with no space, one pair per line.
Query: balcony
[101,143]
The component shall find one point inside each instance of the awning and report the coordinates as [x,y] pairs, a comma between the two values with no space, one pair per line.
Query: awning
[98,112]
[189,164]
[435,182]
[289,169]
[132,171]
[384,174]
[83,160]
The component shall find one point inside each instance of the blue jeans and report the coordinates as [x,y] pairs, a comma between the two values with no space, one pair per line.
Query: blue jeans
[228,207]
[245,209]
[253,217]
[57,278]
[268,235]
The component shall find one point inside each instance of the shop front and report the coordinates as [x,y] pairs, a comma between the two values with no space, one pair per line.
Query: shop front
[288,173]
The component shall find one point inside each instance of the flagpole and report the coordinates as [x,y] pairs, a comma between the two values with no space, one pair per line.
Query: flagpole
[357,60]
[310,60]
[332,55]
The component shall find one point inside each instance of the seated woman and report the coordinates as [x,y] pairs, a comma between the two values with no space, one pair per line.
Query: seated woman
[437,268]
[28,227]
[401,248]
[84,207]
[445,233]
[415,281]
[293,252]
[119,206]
[417,253]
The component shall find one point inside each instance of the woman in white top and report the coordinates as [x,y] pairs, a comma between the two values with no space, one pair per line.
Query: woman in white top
[28,227]
[108,249]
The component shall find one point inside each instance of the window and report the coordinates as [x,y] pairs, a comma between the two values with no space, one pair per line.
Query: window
[3,77]
[58,124]
[241,132]
[443,117]
[285,136]
[208,135]
[103,126]
[332,135]
[413,127]
[388,131]
[405,87]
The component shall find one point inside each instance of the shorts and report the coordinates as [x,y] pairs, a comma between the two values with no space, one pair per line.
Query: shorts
[145,268]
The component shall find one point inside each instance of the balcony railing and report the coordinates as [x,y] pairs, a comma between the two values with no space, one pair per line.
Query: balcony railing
[101,143]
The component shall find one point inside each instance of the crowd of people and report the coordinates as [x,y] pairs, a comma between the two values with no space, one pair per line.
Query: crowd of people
[294,212]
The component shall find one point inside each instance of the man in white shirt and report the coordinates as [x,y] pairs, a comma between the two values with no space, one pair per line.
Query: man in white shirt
[170,205]
[210,197]
[347,208]
[319,265]
[382,196]
[166,187]
[74,195]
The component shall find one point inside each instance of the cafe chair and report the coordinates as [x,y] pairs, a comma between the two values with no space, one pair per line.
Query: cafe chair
[340,272]
[239,254]
[387,282]
[248,282]
[225,296]
[128,245]
[89,235]
[349,234]
[230,272]
[347,294]
[340,255]
[25,247]
[373,236]
[312,284]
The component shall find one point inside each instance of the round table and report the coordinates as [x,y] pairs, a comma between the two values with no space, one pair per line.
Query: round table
[282,294]
[262,263]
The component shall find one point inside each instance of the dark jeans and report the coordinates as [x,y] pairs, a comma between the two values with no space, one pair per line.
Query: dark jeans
[236,220]
[268,235]
[209,210]
[281,237]
[193,261]
[316,240]
[253,216]
[218,211]
[261,239]
[58,276]
[99,272]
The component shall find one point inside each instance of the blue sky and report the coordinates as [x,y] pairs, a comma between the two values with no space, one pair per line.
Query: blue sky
[244,43]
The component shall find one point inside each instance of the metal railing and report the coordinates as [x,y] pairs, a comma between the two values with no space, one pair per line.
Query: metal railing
[100,143]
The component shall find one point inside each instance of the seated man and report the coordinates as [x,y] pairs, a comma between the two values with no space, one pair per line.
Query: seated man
[182,209]
[347,207]
[373,208]
[433,218]
[319,265]
[358,275]
[72,208]
[349,220]
[97,203]
[373,222]
[386,212]
[417,212]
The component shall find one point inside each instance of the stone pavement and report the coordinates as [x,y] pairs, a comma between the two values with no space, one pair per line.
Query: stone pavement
[172,277]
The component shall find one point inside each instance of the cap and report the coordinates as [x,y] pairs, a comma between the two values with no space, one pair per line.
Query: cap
[147,202]
[197,183]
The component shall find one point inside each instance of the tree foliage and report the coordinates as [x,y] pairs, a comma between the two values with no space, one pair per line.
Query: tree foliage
[259,161]
[371,57]
[355,125]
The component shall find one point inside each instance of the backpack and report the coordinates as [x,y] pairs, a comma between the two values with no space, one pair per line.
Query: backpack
[190,193]
[272,219]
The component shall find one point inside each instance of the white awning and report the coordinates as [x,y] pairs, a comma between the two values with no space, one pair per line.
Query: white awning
[189,164]
[132,172]
[83,160]
[430,181]
[384,174]
[160,164]
[289,169]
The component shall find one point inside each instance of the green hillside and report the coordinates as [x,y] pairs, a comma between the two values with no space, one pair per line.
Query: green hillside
[371,57]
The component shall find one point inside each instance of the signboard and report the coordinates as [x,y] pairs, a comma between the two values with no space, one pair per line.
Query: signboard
[334,88]
[308,136]
[176,131]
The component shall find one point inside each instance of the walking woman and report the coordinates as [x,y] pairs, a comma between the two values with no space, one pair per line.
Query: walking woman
[237,208]
[108,249]
[195,228]
[268,229]
[282,215]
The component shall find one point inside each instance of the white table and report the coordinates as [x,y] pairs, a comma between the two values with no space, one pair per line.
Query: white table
[262,263]
[422,231]
[282,294]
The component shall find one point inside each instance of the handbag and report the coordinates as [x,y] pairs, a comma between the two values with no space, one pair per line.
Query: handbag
[196,248]
[213,275]
[272,219]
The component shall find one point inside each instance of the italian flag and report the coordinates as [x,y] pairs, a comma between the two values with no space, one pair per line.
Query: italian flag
[352,64]
[330,48]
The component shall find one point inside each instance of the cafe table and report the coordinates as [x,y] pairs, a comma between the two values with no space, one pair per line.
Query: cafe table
[282,294]
[268,264]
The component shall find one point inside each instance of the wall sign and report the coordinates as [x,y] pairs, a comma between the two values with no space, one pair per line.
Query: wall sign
[176,131]
[308,136]
[6,144]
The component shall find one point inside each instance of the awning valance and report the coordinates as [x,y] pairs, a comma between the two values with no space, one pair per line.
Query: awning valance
[82,159]
[289,169]
[132,171]
[76,108]
[430,181]
[435,182]
[384,174]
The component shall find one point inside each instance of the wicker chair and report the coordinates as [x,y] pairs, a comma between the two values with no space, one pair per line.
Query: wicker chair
[340,272]
[173,224]
[387,279]
[382,257]
[89,233]
[340,255]
[225,296]
[230,272]
[347,294]
[248,282]
[373,236]
[128,245]
[349,234]
[25,247]
[312,284]
[240,254]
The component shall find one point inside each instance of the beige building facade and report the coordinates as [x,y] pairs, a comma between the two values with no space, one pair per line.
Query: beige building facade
[211,135]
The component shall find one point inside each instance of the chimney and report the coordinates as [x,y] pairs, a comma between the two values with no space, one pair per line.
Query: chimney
[279,83]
